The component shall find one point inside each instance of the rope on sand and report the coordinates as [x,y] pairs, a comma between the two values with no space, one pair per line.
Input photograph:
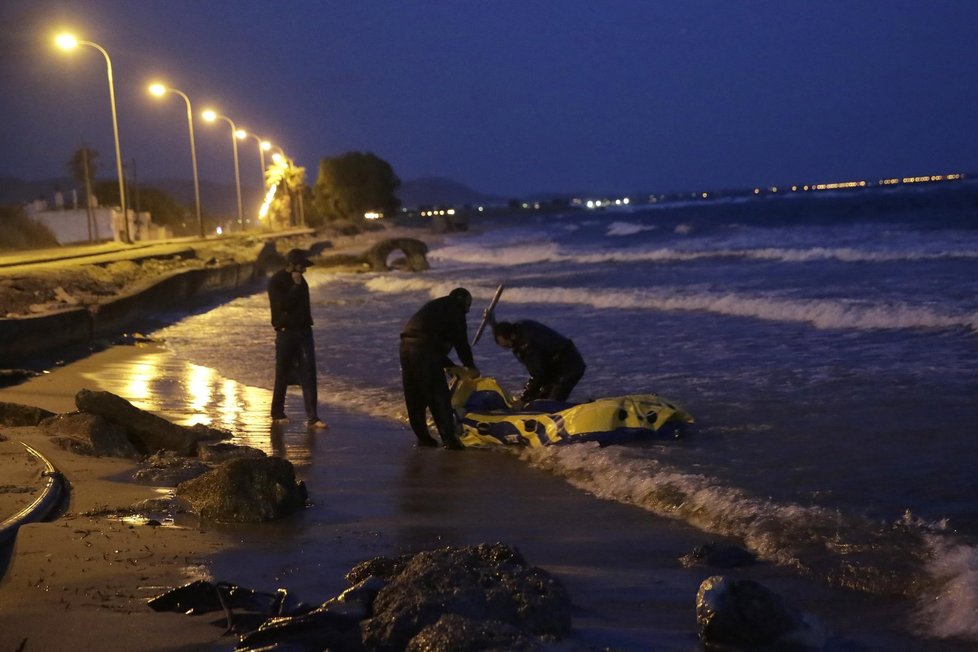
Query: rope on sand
[43,505]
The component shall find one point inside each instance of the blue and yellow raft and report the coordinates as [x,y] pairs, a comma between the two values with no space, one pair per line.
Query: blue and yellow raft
[489,418]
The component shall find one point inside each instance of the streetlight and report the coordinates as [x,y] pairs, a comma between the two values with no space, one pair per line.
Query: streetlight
[263,146]
[160,90]
[211,116]
[68,42]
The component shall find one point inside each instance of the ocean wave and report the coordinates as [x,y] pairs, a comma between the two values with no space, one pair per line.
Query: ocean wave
[628,228]
[820,313]
[846,551]
[548,252]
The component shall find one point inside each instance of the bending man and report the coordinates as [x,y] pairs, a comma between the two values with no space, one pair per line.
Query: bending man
[428,336]
[554,363]
[288,296]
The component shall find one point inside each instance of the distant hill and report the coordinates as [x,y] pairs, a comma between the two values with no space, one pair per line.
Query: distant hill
[439,190]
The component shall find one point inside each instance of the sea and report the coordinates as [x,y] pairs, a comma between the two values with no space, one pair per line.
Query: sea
[827,349]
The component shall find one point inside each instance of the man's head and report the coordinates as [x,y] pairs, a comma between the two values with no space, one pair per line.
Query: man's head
[297,260]
[504,333]
[463,296]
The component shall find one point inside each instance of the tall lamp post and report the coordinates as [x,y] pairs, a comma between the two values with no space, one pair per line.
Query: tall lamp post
[263,146]
[211,116]
[160,90]
[68,42]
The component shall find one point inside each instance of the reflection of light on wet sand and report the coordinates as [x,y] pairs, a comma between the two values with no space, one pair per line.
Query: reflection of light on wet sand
[155,380]
[200,386]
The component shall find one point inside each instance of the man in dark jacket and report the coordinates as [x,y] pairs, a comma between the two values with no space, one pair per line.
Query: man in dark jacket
[288,296]
[427,338]
[554,363]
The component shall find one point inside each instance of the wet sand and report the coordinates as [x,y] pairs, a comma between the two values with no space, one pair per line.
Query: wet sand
[372,493]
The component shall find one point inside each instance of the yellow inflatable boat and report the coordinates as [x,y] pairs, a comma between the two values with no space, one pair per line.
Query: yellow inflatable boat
[489,418]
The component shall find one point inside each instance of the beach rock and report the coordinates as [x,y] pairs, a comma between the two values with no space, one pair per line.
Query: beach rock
[221,452]
[746,613]
[357,601]
[15,414]
[414,252]
[719,556]
[14,376]
[151,432]
[245,491]
[453,633]
[89,434]
[479,583]
[168,469]
[319,629]
[383,567]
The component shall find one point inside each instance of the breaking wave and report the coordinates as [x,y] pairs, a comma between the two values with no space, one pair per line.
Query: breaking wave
[820,313]
[905,558]
[513,255]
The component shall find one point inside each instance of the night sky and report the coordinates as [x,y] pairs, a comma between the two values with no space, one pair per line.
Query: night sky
[507,97]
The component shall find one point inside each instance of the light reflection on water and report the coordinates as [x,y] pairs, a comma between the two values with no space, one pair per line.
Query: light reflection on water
[157,381]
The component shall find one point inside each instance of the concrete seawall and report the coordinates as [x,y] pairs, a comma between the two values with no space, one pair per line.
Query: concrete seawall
[31,337]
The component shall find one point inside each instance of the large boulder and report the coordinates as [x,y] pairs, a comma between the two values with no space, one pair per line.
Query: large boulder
[89,434]
[152,433]
[414,253]
[746,613]
[245,491]
[168,469]
[15,414]
[480,583]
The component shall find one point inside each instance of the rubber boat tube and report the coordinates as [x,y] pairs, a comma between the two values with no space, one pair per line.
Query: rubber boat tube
[489,418]
[43,505]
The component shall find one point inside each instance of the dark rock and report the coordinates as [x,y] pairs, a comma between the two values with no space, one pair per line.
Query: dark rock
[317,630]
[216,453]
[268,259]
[718,556]
[414,251]
[168,469]
[453,633]
[203,432]
[317,248]
[15,415]
[89,434]
[383,567]
[245,491]
[153,433]
[744,612]
[480,583]
[14,376]
[357,601]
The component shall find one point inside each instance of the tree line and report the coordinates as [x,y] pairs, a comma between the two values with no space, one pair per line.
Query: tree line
[346,188]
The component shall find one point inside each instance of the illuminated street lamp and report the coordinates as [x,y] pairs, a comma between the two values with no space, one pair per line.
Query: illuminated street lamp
[68,42]
[211,116]
[160,90]
[263,146]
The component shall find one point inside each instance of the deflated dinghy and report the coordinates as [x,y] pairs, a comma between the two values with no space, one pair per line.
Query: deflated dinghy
[489,418]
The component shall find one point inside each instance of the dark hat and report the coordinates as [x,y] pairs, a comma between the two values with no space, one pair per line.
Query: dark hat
[298,257]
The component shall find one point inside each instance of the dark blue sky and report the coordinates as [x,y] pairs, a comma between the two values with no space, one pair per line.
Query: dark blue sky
[508,97]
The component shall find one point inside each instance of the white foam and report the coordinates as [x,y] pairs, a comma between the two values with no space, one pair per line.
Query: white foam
[628,228]
[949,611]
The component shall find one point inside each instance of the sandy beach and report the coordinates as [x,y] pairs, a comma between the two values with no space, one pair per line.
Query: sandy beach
[93,574]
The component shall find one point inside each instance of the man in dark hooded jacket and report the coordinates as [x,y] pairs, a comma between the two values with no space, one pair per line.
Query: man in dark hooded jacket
[288,297]
[427,338]
[554,363]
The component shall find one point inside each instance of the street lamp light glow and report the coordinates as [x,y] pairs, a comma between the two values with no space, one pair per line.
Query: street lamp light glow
[160,90]
[210,116]
[66,41]
[240,134]
[265,145]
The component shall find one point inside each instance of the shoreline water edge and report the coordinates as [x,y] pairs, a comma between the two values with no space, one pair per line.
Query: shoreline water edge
[372,492]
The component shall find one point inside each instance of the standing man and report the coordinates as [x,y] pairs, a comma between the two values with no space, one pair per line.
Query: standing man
[427,338]
[288,296]
[554,363]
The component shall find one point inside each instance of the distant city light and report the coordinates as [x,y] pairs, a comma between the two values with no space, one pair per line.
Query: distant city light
[373,215]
